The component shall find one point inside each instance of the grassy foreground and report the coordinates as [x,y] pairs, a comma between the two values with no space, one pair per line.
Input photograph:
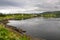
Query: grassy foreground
[6,34]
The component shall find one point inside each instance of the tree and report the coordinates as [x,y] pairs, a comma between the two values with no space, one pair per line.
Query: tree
[2,15]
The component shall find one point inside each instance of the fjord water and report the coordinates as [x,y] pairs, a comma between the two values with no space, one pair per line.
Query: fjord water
[39,27]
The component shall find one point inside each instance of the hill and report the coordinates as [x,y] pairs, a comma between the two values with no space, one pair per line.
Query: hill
[55,14]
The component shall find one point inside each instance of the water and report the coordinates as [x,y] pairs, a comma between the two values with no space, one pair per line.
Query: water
[39,27]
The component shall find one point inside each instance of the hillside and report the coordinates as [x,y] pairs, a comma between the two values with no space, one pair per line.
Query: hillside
[55,14]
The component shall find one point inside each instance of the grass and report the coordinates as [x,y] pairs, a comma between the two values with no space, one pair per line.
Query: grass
[6,34]
[16,16]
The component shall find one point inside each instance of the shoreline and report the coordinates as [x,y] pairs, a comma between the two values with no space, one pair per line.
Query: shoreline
[18,31]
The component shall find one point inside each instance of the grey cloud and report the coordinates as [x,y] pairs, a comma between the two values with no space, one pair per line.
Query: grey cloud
[9,3]
[42,5]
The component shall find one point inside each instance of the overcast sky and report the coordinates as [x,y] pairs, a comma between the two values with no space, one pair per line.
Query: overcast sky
[29,6]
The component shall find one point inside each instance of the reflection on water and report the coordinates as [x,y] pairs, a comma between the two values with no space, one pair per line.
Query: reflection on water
[40,27]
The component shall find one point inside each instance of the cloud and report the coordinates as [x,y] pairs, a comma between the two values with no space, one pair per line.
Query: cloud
[30,5]
[6,3]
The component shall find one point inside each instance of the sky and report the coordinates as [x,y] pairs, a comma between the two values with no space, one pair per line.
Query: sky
[29,6]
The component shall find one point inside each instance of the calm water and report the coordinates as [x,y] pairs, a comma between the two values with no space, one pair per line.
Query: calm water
[40,27]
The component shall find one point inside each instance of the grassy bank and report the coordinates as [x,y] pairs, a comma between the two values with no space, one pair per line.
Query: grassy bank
[8,34]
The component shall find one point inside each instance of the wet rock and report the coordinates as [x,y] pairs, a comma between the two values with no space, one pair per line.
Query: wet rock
[16,29]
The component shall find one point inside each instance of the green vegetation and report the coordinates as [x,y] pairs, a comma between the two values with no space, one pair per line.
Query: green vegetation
[6,34]
[17,16]
[54,14]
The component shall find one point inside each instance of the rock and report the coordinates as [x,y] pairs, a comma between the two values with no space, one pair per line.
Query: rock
[16,29]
